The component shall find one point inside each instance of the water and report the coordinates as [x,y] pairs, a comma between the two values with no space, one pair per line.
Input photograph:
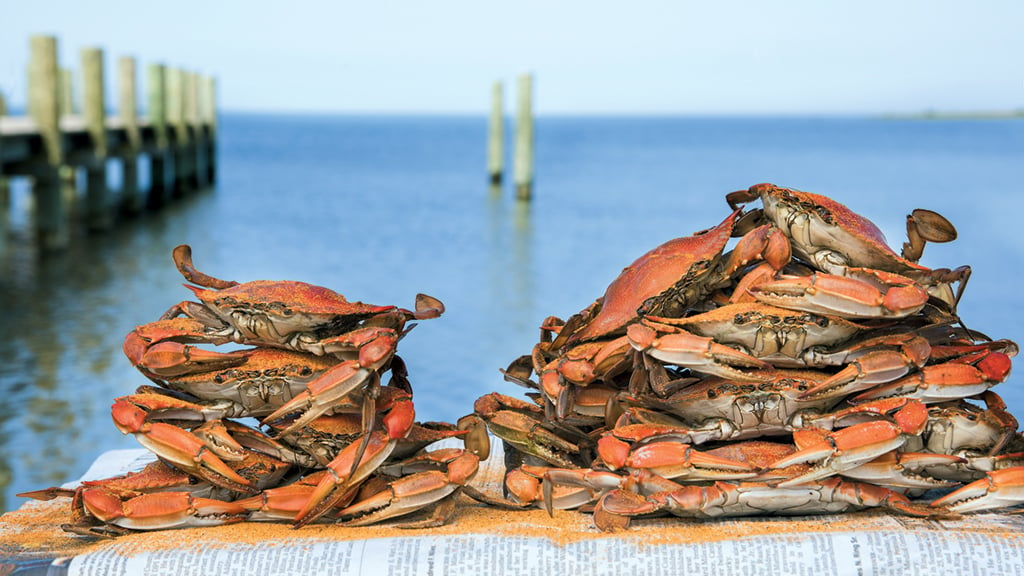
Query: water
[382,208]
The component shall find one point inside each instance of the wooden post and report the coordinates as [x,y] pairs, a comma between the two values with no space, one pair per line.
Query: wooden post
[496,139]
[5,191]
[524,139]
[158,170]
[197,178]
[67,93]
[131,200]
[94,111]
[51,214]
[211,129]
[178,129]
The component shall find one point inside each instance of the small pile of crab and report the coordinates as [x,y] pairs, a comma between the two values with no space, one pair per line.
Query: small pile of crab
[332,442]
[809,369]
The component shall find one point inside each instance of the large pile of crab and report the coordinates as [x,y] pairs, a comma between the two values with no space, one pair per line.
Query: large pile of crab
[810,369]
[332,443]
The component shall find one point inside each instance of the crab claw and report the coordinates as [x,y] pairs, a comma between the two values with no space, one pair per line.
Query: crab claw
[344,474]
[948,381]
[160,510]
[415,492]
[902,470]
[863,293]
[321,395]
[427,307]
[179,447]
[674,460]
[873,368]
[373,346]
[851,447]
[697,353]
[999,489]
[169,359]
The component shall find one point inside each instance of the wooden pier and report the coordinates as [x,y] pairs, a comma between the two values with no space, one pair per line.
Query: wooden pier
[52,143]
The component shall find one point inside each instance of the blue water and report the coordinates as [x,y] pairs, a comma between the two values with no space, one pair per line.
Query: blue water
[382,208]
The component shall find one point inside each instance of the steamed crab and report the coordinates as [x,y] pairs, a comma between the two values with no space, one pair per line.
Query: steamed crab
[812,331]
[834,239]
[667,281]
[312,372]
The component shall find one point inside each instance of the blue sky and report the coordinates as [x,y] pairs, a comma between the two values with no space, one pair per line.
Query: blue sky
[652,57]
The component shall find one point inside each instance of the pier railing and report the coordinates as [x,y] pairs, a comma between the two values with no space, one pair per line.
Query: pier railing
[54,141]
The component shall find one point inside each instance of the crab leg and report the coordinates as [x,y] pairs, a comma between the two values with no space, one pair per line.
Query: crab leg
[850,447]
[179,447]
[873,368]
[696,352]
[321,395]
[754,498]
[674,460]
[903,470]
[999,489]
[948,381]
[344,474]
[411,493]
[160,511]
[862,293]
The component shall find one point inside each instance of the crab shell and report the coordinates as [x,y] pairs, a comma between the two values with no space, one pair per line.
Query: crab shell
[776,335]
[829,234]
[268,311]
[664,278]
[834,238]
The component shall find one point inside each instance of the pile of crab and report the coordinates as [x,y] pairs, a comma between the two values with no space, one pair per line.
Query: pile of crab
[809,369]
[332,442]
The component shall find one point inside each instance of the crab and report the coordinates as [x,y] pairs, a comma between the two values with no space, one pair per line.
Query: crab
[847,448]
[746,498]
[779,336]
[284,313]
[521,425]
[722,409]
[833,238]
[999,489]
[430,480]
[666,281]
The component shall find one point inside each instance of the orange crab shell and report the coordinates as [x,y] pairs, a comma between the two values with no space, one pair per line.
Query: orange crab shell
[654,273]
[285,297]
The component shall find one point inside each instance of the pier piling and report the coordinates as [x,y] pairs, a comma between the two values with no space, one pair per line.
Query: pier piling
[159,157]
[97,201]
[524,138]
[496,136]
[131,200]
[51,214]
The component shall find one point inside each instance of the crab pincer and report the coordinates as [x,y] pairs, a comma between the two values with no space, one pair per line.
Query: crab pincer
[344,474]
[834,452]
[698,353]
[999,489]
[178,446]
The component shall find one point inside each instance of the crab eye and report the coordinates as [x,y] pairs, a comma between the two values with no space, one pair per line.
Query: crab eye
[712,394]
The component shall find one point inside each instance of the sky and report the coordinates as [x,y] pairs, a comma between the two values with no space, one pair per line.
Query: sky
[586,56]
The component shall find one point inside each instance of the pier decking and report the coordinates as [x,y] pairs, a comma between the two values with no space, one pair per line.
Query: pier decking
[54,141]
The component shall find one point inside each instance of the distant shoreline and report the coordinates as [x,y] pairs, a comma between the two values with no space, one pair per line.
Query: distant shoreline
[936,115]
[925,115]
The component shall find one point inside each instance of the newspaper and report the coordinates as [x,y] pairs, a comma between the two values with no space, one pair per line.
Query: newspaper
[849,544]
